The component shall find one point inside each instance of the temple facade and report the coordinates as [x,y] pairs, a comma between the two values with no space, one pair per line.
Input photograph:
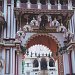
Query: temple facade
[37,37]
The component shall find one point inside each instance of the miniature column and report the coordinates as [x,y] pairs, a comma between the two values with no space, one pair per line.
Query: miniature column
[5,15]
[48,64]
[28,4]
[39,4]
[69,5]
[59,5]
[39,64]
[18,4]
[11,61]
[49,5]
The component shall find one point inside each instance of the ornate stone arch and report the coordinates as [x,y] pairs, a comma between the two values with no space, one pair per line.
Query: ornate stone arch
[30,43]
[39,37]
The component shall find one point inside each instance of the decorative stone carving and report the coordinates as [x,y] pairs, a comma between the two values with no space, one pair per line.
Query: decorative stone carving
[62,28]
[55,23]
[19,35]
[69,36]
[27,27]
[34,22]
[20,32]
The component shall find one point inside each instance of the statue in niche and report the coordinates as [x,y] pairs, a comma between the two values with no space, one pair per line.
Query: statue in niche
[55,23]
[62,28]
[34,22]
[44,21]
[69,36]
[50,21]
[27,27]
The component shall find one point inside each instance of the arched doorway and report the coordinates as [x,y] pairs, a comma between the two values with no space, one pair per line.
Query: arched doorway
[43,64]
[39,45]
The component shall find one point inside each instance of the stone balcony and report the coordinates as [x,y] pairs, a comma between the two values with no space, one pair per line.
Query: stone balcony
[24,11]
[41,6]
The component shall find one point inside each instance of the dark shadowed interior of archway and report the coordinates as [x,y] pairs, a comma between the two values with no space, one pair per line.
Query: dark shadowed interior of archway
[43,64]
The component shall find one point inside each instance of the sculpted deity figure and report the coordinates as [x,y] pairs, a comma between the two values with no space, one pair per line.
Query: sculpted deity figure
[55,23]
[34,22]
[62,28]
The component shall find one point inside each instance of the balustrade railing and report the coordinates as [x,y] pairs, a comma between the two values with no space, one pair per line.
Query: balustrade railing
[64,7]
[54,7]
[23,5]
[35,6]
[44,6]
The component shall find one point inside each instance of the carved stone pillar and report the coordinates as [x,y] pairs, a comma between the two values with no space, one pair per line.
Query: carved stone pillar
[17,44]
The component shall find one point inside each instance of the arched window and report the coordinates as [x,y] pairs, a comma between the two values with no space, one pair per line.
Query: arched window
[43,64]
[35,63]
[51,63]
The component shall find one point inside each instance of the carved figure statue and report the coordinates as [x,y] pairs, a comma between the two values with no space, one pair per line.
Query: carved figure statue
[55,23]
[34,22]
[27,27]
[62,28]
[50,21]
[69,36]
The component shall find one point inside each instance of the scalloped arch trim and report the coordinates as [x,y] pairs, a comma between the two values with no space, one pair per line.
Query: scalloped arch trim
[44,39]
